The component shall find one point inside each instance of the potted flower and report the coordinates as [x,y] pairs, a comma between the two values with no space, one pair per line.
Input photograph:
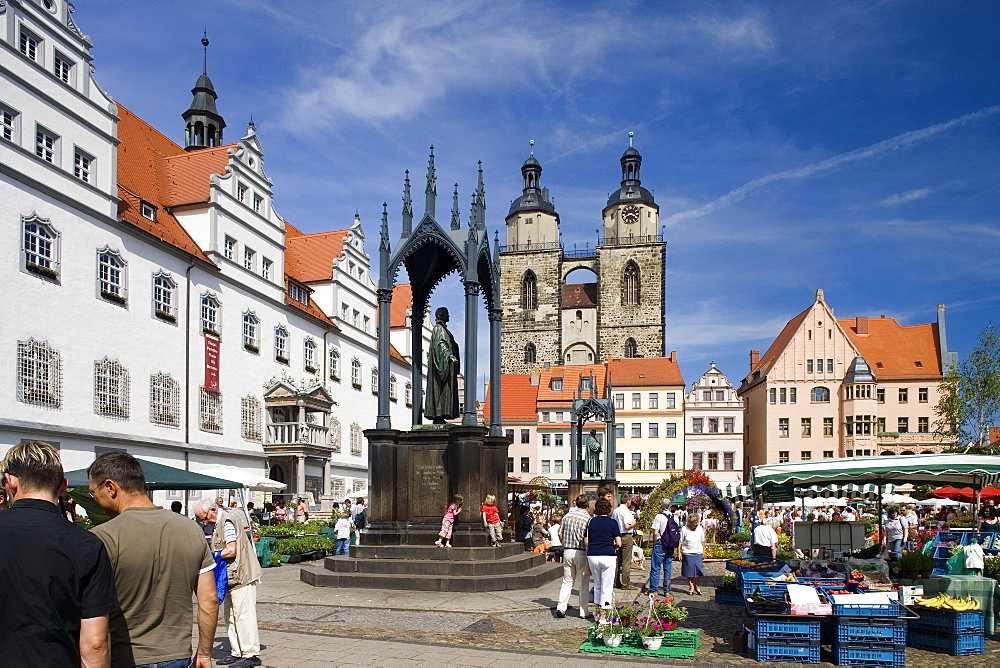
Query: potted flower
[609,628]
[669,613]
[650,632]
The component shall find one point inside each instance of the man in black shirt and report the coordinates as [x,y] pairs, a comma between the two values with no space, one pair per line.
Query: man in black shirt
[56,584]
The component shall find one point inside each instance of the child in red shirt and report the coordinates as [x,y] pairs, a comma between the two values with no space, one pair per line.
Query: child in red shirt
[491,520]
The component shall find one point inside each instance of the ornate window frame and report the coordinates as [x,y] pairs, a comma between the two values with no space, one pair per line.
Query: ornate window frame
[111,389]
[39,374]
[164,297]
[164,400]
[40,247]
[112,276]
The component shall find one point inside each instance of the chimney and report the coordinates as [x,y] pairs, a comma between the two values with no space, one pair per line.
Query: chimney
[535,377]
[862,325]
[754,358]
[673,356]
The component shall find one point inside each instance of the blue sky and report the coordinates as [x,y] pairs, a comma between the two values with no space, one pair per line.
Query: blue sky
[849,146]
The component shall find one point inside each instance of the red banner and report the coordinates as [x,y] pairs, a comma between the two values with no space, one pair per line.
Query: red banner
[211,363]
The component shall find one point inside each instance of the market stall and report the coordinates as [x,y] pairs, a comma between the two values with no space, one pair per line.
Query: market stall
[866,621]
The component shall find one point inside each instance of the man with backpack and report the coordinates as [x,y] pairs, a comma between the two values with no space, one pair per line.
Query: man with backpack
[666,538]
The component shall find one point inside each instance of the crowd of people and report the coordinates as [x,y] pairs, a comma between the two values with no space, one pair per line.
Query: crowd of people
[121,594]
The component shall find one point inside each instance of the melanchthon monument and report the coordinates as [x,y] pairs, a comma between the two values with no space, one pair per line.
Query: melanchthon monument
[415,469]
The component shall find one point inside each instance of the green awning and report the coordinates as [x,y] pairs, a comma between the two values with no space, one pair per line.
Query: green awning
[160,476]
[960,470]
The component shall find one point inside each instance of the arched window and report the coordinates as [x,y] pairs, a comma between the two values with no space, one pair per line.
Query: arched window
[39,374]
[250,323]
[529,291]
[309,362]
[281,344]
[820,395]
[164,400]
[529,354]
[356,373]
[374,380]
[631,348]
[334,364]
[392,388]
[111,389]
[356,439]
[630,284]
[210,307]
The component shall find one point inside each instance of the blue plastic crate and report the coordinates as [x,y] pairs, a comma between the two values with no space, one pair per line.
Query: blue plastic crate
[799,651]
[948,621]
[745,581]
[941,571]
[892,609]
[869,654]
[955,644]
[955,537]
[772,630]
[773,566]
[729,597]
[985,539]
[764,589]
[871,629]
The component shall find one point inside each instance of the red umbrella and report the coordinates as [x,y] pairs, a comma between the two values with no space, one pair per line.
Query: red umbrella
[990,493]
[944,493]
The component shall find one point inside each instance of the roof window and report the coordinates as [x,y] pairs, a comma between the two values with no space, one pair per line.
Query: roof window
[878,364]
[919,363]
[148,210]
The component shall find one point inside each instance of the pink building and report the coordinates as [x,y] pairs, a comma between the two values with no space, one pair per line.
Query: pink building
[844,388]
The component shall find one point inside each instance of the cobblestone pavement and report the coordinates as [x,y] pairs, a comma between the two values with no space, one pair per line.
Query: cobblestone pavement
[306,626]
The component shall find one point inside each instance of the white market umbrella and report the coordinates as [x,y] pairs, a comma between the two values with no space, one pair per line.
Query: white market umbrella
[254,481]
[897,498]
[937,503]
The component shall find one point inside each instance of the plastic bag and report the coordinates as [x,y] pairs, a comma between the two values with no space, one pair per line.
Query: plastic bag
[221,576]
[956,564]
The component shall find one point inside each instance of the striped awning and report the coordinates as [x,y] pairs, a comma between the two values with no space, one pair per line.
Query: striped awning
[850,491]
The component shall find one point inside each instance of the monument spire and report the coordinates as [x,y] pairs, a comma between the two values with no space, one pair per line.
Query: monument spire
[407,207]
[456,220]
[431,190]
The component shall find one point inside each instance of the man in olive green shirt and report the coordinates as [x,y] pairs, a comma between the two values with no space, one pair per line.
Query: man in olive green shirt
[159,559]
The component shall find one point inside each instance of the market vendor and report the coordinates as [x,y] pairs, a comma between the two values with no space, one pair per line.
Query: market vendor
[765,541]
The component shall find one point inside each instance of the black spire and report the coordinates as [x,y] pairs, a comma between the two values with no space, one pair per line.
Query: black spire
[631,188]
[203,123]
[535,198]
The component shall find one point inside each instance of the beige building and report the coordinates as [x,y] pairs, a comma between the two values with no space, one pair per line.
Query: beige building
[648,396]
[844,388]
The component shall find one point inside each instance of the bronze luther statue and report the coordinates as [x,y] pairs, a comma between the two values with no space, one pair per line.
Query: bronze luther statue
[441,402]
[592,460]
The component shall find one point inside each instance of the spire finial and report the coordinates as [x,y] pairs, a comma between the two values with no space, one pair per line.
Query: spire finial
[480,220]
[251,128]
[431,190]
[204,46]
[407,207]
[630,135]
[531,143]
[456,220]
[384,229]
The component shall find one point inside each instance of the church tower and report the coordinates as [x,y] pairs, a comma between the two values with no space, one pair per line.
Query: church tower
[548,321]
[203,124]
[531,277]
[631,319]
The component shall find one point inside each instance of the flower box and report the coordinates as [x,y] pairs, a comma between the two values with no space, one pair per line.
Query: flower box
[110,296]
[251,347]
[310,369]
[47,272]
[281,359]
[163,315]
[211,332]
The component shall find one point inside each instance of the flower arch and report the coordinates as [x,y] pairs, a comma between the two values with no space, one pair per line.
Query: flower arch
[701,495]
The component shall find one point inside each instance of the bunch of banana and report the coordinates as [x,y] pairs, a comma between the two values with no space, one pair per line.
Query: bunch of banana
[945,602]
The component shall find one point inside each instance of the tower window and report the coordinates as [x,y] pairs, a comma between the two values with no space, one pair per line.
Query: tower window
[529,354]
[631,348]
[529,291]
[630,285]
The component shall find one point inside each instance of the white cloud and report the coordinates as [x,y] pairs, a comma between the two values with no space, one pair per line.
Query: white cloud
[873,151]
[908,196]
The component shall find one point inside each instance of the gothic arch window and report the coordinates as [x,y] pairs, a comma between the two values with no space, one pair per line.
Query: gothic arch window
[630,284]
[529,354]
[529,291]
[631,348]
[820,395]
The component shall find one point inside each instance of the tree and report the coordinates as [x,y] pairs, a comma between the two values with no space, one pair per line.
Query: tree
[970,397]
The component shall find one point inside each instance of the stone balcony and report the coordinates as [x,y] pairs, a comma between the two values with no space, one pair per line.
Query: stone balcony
[297,433]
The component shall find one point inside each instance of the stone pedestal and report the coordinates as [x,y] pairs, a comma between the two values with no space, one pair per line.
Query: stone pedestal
[416,473]
[589,486]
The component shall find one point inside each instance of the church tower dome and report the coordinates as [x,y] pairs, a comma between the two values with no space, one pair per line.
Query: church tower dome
[533,197]
[631,189]
[203,123]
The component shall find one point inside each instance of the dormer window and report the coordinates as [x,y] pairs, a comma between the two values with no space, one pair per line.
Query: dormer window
[298,293]
[148,210]
[557,384]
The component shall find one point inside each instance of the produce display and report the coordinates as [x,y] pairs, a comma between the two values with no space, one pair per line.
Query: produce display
[946,602]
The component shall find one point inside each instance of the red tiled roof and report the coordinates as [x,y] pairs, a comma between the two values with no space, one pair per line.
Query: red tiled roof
[774,351]
[570,375]
[142,176]
[188,173]
[402,301]
[644,371]
[292,231]
[395,353]
[310,308]
[994,435]
[897,348]
[517,398]
[309,257]
[579,295]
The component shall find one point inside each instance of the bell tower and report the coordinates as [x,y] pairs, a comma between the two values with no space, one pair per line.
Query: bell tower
[631,319]
[203,124]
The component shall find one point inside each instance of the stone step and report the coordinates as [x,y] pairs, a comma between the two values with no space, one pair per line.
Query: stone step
[505,566]
[528,579]
[435,553]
